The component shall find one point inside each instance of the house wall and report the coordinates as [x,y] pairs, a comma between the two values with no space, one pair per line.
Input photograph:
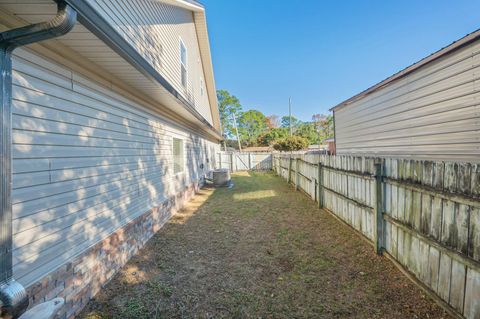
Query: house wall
[87,160]
[432,113]
[81,278]
[154,29]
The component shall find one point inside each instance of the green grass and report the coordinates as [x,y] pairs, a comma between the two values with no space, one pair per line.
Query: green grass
[259,250]
[157,288]
[135,308]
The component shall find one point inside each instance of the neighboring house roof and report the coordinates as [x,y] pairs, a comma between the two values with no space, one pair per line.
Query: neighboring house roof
[466,40]
[316,146]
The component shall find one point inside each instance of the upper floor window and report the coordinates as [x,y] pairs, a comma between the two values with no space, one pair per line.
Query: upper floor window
[183,63]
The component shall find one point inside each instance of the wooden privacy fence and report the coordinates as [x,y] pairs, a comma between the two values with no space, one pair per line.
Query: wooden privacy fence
[424,214]
[245,161]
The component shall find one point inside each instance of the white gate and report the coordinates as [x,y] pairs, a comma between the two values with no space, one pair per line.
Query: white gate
[243,161]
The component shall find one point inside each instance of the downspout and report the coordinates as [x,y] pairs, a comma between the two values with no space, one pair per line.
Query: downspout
[13,297]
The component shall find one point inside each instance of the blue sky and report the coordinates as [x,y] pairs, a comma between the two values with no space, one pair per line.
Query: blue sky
[321,52]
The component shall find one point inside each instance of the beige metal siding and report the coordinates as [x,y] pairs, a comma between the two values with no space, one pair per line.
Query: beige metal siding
[87,160]
[432,113]
[155,30]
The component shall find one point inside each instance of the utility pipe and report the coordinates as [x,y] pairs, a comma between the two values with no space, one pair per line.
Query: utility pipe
[13,297]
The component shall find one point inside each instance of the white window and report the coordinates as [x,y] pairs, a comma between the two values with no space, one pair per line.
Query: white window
[178,156]
[183,63]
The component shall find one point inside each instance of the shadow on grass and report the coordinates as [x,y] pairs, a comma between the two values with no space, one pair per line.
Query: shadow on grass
[258,250]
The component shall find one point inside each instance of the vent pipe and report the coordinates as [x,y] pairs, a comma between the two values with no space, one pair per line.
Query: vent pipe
[13,298]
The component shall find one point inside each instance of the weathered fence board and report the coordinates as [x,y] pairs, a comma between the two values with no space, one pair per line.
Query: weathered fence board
[425,214]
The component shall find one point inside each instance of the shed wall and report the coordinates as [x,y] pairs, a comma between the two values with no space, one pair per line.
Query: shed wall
[433,113]
[86,161]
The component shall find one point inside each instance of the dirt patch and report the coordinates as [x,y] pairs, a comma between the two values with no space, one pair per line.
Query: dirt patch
[258,250]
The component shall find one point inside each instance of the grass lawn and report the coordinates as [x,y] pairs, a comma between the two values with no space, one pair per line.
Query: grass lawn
[258,250]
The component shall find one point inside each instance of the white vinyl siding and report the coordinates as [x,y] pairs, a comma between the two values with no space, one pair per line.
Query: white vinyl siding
[154,28]
[432,113]
[86,161]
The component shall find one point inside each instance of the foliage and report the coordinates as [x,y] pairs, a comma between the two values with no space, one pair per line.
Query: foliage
[227,106]
[250,125]
[308,131]
[272,121]
[317,118]
[231,143]
[324,125]
[291,143]
[286,122]
[256,129]
[269,137]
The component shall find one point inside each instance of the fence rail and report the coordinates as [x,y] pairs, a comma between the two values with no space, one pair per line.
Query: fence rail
[424,214]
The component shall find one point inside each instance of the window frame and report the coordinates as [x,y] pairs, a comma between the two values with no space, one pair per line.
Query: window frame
[178,159]
[183,64]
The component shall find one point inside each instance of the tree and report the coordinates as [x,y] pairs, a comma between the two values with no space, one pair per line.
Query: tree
[272,121]
[308,131]
[227,106]
[291,143]
[231,143]
[323,125]
[286,122]
[269,137]
[250,125]
[327,127]
[317,119]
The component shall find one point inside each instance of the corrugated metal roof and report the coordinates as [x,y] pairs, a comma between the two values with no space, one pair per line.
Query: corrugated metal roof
[469,38]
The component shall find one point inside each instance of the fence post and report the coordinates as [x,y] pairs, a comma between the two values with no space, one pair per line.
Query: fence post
[379,234]
[249,161]
[297,174]
[231,161]
[320,185]
[289,179]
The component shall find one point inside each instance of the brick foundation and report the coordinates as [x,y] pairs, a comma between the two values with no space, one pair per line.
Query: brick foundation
[81,278]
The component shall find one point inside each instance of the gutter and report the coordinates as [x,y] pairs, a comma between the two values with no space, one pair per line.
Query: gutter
[191,5]
[13,297]
[97,24]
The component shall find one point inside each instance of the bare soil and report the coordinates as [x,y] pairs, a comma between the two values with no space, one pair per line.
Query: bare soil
[259,250]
